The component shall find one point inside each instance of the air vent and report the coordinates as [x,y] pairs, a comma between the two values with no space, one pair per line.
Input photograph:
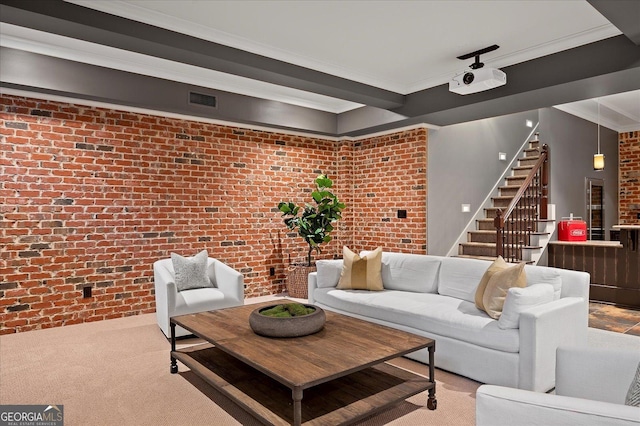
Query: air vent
[202,99]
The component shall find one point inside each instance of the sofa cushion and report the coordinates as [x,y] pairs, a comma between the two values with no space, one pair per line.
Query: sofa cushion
[498,265]
[544,275]
[521,299]
[361,273]
[328,272]
[498,285]
[433,313]
[459,277]
[410,272]
[191,272]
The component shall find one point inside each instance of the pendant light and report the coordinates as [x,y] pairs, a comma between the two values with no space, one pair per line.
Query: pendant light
[598,159]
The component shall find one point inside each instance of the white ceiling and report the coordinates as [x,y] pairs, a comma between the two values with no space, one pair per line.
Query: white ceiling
[400,46]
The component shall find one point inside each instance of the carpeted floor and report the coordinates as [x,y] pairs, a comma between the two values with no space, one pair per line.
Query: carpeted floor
[116,372]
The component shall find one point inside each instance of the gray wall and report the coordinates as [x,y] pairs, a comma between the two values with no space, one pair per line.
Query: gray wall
[572,142]
[463,166]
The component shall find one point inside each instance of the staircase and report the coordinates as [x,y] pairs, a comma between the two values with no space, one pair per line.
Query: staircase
[529,233]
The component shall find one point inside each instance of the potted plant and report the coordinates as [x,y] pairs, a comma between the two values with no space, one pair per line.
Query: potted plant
[314,223]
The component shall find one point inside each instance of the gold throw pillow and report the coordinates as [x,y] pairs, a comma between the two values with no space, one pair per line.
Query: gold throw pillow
[498,265]
[361,273]
[498,285]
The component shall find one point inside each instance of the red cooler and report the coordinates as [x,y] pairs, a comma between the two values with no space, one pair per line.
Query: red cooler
[572,229]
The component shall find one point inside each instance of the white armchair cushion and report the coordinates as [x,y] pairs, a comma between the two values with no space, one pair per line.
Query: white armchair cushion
[197,300]
[191,272]
[520,299]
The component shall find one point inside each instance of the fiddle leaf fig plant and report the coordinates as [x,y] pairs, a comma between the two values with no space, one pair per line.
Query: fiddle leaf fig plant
[314,222]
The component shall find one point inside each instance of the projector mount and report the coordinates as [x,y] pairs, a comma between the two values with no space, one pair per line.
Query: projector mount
[477,64]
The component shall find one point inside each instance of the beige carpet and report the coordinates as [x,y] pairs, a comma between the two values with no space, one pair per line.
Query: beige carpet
[116,372]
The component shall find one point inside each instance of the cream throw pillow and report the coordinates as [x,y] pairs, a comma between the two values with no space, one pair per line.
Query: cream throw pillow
[498,265]
[498,285]
[361,273]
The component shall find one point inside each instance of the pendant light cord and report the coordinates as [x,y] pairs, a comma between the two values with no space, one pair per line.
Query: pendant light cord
[598,125]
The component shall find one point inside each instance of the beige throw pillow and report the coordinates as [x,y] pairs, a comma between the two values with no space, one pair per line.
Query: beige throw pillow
[498,265]
[361,273]
[498,285]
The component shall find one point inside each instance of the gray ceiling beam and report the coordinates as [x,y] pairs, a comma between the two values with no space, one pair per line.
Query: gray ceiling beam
[525,81]
[37,73]
[70,20]
[624,14]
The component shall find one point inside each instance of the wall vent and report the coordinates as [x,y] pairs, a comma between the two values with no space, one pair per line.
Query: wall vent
[202,99]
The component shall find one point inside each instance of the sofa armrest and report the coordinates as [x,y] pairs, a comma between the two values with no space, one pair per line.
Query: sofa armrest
[601,374]
[229,281]
[497,405]
[312,286]
[542,329]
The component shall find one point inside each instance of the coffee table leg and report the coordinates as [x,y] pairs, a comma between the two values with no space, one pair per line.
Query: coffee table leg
[432,403]
[174,362]
[297,406]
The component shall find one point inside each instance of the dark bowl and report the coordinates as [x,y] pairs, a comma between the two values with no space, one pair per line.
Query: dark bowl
[287,327]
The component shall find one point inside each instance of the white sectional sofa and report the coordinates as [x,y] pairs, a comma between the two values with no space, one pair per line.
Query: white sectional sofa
[433,296]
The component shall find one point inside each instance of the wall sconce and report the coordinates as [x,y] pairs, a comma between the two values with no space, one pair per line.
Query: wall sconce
[598,159]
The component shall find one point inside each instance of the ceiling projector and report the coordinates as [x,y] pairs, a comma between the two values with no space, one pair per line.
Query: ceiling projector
[477,80]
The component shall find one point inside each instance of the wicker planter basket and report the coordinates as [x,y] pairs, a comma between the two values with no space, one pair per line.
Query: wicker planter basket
[297,281]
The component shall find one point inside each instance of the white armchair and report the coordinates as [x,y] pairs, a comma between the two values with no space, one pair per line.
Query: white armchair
[227,291]
[591,386]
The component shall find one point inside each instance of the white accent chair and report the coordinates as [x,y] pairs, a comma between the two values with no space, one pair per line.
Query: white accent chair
[591,386]
[227,291]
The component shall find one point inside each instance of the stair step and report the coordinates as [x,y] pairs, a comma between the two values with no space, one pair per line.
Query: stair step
[511,190]
[502,200]
[532,152]
[534,144]
[478,249]
[505,200]
[521,170]
[515,180]
[489,258]
[490,236]
[528,161]
[490,212]
[466,256]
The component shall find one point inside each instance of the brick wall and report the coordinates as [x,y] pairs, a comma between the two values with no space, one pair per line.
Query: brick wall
[390,174]
[91,197]
[629,177]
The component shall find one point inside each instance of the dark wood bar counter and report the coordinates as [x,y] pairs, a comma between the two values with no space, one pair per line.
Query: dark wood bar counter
[614,266]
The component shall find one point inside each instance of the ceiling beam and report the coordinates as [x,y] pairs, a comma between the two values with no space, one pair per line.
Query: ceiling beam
[624,14]
[70,20]
[577,69]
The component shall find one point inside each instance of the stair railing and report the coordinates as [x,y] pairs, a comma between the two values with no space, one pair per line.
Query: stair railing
[515,226]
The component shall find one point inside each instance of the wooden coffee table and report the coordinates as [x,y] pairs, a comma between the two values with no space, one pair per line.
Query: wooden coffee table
[341,370]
